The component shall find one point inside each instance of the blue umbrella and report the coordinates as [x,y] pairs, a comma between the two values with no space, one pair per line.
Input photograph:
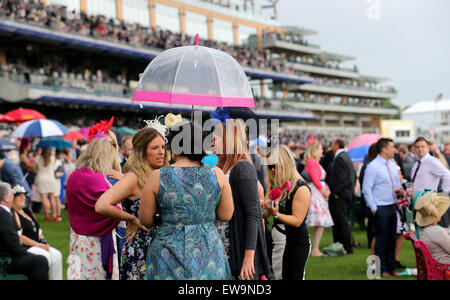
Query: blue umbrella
[358,154]
[54,142]
[40,128]
[7,146]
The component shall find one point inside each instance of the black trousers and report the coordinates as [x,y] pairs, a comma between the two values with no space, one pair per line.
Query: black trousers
[386,237]
[339,211]
[294,262]
[35,267]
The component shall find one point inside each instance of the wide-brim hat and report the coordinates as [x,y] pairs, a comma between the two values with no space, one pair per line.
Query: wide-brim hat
[431,207]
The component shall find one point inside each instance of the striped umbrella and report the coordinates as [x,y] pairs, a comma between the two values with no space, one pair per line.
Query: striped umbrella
[40,128]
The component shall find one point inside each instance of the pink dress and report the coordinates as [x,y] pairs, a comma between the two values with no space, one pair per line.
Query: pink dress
[318,213]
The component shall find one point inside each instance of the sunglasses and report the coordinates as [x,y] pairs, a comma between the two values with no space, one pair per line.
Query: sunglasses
[272,167]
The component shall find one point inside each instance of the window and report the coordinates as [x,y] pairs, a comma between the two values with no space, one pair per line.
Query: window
[167,17]
[136,11]
[402,133]
[105,8]
[223,31]
[196,23]
[245,32]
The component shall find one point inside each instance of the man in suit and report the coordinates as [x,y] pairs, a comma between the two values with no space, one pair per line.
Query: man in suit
[35,267]
[342,186]
[407,161]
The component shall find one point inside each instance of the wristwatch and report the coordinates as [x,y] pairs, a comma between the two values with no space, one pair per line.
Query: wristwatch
[277,216]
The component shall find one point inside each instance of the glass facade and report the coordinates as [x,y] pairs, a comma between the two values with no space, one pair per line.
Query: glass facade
[167,17]
[105,8]
[245,32]
[223,31]
[196,23]
[136,11]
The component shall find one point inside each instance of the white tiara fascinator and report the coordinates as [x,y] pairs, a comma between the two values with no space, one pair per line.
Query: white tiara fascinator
[155,124]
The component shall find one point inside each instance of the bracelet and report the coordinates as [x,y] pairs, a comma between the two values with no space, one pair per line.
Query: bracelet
[277,216]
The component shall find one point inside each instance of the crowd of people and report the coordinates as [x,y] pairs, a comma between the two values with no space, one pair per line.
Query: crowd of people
[153,211]
[64,20]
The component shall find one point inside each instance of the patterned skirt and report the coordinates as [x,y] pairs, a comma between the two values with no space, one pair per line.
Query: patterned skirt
[318,213]
[85,258]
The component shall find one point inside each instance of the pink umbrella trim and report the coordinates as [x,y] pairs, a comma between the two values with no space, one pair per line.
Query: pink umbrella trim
[193,99]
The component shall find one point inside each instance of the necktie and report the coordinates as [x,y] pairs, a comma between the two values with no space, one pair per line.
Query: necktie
[415,173]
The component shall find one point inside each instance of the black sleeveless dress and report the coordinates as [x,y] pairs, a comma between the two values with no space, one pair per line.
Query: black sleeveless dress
[298,243]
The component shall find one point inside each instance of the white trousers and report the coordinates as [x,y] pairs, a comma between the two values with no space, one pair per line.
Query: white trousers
[279,243]
[54,258]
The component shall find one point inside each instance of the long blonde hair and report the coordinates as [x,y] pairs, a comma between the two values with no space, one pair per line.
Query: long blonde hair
[116,164]
[233,134]
[138,163]
[312,152]
[285,168]
[99,156]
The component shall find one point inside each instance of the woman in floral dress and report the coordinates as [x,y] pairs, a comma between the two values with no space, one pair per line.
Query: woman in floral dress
[319,215]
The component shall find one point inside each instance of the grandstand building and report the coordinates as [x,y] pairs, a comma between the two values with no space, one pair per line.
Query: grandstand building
[88,54]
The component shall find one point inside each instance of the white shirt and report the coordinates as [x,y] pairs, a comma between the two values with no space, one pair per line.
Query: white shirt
[339,152]
[430,172]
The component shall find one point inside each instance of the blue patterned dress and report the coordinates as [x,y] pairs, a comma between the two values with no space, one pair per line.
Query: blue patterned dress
[187,244]
[133,254]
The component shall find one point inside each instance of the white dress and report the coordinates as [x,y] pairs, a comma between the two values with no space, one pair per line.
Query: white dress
[45,177]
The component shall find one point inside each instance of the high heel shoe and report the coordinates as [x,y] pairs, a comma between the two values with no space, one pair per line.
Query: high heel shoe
[55,219]
[47,219]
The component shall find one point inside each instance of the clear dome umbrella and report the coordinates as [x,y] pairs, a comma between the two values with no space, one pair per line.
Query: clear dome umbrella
[195,75]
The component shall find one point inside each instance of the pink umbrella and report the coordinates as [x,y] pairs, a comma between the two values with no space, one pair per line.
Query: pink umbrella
[85,131]
[364,139]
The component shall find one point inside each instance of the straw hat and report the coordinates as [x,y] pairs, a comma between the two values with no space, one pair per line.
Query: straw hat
[430,208]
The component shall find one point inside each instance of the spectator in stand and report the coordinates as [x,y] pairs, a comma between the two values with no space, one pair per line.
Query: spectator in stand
[381,187]
[319,215]
[342,185]
[35,267]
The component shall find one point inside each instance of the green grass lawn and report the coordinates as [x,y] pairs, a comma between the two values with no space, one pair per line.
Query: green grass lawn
[349,267]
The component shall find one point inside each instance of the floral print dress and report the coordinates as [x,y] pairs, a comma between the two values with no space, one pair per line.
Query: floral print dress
[134,252]
[187,244]
[319,213]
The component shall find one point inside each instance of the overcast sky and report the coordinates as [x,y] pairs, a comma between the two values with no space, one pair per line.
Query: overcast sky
[407,41]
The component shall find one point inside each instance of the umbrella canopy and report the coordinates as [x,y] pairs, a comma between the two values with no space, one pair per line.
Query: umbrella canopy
[358,154]
[74,136]
[6,119]
[54,142]
[7,146]
[364,139]
[85,131]
[127,130]
[24,114]
[195,75]
[40,128]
